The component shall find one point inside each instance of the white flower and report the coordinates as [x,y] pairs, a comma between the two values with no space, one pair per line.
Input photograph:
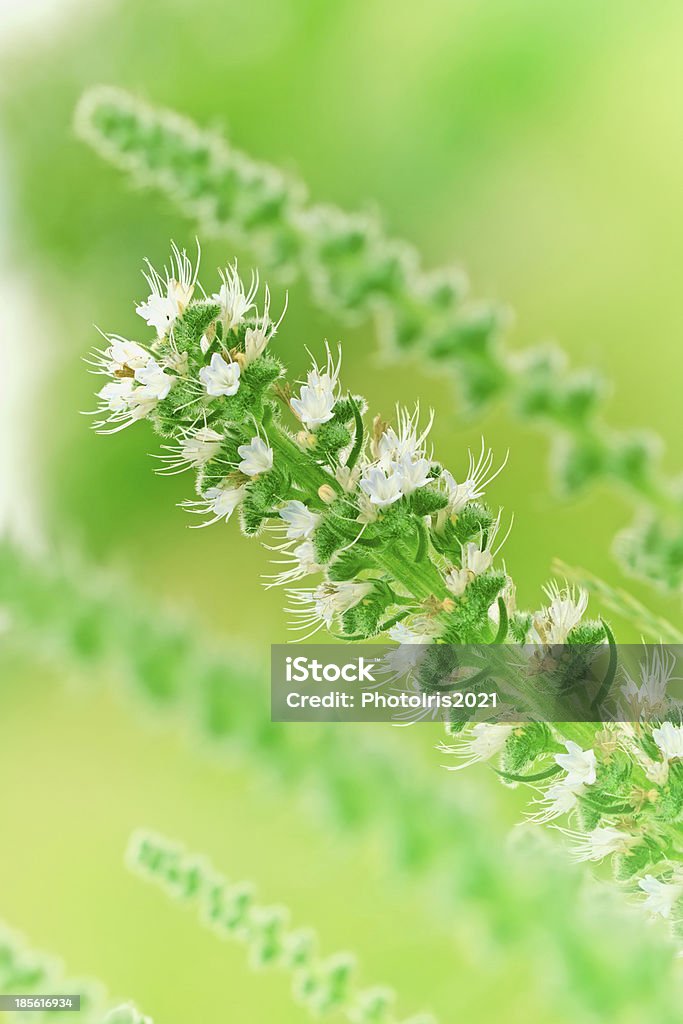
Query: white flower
[406,656]
[394,446]
[301,561]
[117,394]
[256,338]
[479,476]
[558,799]
[160,312]
[156,382]
[509,596]
[456,580]
[650,698]
[200,446]
[476,560]
[601,842]
[169,295]
[482,742]
[219,502]
[661,896]
[383,487]
[195,449]
[318,396]
[256,457]
[656,771]
[553,624]
[301,522]
[234,300]
[412,473]
[580,766]
[305,556]
[333,599]
[348,478]
[320,606]
[125,404]
[669,739]
[123,355]
[403,634]
[219,377]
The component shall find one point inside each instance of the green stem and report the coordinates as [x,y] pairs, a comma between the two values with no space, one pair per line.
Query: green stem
[421,579]
[303,470]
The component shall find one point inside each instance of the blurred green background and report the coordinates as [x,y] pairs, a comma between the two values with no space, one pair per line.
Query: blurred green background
[538,143]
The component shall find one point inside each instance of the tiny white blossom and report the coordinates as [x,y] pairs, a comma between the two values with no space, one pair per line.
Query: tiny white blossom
[558,799]
[218,502]
[509,596]
[476,560]
[661,896]
[301,522]
[305,556]
[600,843]
[411,641]
[333,599]
[125,403]
[412,473]
[117,394]
[235,301]
[219,377]
[405,443]
[403,634]
[123,355]
[256,457]
[649,698]
[318,396]
[382,486]
[256,338]
[195,448]
[553,624]
[456,580]
[656,771]
[169,295]
[320,606]
[156,382]
[301,561]
[482,742]
[160,312]
[479,476]
[580,765]
[669,739]
[200,446]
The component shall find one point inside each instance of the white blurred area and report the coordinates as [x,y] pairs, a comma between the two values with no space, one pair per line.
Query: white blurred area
[23,366]
[20,19]
[21,374]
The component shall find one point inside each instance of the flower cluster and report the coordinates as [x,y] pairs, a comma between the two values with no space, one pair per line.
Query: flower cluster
[387,539]
[353,267]
[615,789]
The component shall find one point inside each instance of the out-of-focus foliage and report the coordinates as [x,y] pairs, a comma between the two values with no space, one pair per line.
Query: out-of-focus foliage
[434,835]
